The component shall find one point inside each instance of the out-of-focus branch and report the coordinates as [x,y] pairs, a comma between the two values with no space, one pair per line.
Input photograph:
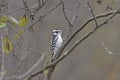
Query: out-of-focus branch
[77,42]
[39,62]
[35,7]
[23,58]
[41,17]
[55,7]
[26,6]
[105,47]
[40,5]
[91,10]
[3,57]
[21,77]
[102,43]
[89,7]
[70,22]
[16,32]
[15,10]
[66,18]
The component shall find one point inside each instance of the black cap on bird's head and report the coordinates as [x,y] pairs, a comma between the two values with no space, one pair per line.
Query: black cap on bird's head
[57,32]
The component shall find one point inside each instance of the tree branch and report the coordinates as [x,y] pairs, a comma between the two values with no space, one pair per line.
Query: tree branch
[41,17]
[66,18]
[3,57]
[103,45]
[76,43]
[38,63]
[91,10]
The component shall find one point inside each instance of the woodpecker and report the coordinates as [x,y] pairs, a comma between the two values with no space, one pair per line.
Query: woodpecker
[56,43]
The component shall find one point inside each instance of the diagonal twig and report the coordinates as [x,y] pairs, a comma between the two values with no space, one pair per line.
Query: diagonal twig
[91,10]
[21,77]
[104,46]
[41,17]
[66,18]
[76,43]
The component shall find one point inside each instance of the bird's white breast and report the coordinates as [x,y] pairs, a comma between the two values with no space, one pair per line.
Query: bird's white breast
[59,41]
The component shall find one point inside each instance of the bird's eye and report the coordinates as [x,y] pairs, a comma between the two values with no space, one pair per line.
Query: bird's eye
[56,31]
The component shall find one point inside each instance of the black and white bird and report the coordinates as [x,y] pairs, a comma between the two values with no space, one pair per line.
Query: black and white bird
[56,43]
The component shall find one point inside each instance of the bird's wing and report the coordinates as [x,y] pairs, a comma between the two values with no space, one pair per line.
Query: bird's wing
[53,42]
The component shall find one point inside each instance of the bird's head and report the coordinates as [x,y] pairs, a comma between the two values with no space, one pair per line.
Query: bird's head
[57,32]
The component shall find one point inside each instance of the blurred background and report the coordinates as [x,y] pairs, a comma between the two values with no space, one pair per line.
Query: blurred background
[89,61]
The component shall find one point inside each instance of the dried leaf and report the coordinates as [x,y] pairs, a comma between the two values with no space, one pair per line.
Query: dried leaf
[8,46]
[3,19]
[23,21]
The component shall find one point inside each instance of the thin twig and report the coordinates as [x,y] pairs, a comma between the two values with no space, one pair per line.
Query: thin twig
[52,10]
[66,18]
[11,12]
[104,46]
[84,5]
[39,3]
[82,27]
[39,62]
[91,10]
[21,77]
[46,14]
[74,46]
[30,7]
[89,7]
[102,43]
[42,4]
[22,59]
[3,56]
[72,21]
[35,50]
[26,6]
[75,15]
[16,32]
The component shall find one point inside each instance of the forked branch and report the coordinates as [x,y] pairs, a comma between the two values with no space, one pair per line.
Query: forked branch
[61,57]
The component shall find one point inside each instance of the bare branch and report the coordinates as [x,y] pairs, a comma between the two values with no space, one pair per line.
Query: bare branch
[22,59]
[84,5]
[3,57]
[35,6]
[41,17]
[38,63]
[65,14]
[16,32]
[74,17]
[26,6]
[103,45]
[75,45]
[40,6]
[15,10]
[91,10]
[52,9]
[89,7]
[82,27]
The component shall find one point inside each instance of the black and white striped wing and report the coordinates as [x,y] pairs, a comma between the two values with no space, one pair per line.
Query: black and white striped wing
[53,44]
